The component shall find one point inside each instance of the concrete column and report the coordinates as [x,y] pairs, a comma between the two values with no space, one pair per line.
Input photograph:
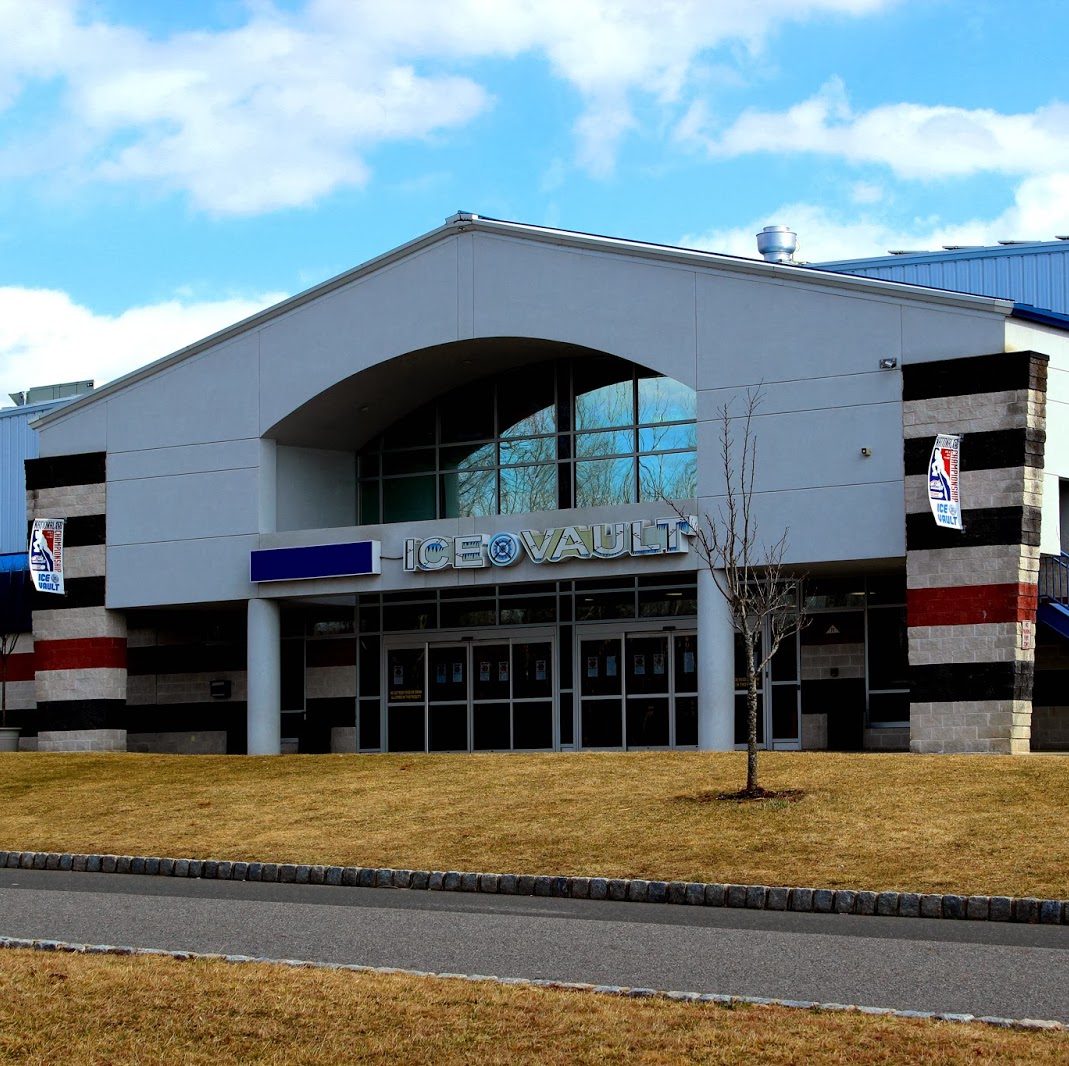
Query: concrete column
[265,684]
[716,667]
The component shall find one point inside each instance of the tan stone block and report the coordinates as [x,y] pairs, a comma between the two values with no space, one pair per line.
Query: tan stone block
[103,684]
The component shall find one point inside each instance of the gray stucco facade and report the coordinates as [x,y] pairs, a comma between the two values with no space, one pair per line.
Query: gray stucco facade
[249,440]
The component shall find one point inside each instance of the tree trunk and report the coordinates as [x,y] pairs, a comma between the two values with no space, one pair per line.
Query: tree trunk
[751,714]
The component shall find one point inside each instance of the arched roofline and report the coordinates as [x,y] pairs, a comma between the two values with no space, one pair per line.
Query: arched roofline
[351,412]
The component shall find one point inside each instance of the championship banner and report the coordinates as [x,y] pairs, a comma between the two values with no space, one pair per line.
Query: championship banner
[46,554]
[943,481]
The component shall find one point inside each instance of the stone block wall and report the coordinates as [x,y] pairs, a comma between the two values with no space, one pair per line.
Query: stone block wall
[79,646]
[969,591]
[82,740]
[1050,728]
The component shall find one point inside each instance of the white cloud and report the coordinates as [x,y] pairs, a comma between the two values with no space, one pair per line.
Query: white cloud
[913,140]
[286,107]
[1040,212]
[46,338]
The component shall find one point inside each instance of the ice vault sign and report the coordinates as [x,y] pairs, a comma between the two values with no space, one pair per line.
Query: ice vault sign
[606,540]
[46,554]
[943,481]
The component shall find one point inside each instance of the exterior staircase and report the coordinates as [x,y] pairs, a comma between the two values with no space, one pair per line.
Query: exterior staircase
[1054,592]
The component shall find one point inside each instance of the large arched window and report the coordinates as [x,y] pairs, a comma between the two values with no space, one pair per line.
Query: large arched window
[567,433]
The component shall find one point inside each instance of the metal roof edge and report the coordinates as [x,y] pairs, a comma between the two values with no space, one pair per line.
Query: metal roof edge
[283,307]
[463,222]
[42,407]
[986,251]
[1041,316]
[694,256]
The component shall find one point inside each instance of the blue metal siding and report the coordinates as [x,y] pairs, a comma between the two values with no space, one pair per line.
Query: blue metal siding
[17,443]
[1036,274]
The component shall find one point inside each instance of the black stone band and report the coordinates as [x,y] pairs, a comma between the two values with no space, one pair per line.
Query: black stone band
[970,682]
[79,714]
[1004,372]
[996,450]
[80,592]
[81,531]
[983,526]
[60,470]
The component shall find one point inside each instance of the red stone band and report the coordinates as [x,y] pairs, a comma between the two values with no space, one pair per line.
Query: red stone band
[85,653]
[971,605]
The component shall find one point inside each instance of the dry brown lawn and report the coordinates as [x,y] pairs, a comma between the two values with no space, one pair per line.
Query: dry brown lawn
[93,1009]
[968,824]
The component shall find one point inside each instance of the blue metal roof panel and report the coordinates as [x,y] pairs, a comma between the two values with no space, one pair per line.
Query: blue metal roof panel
[18,442]
[1035,274]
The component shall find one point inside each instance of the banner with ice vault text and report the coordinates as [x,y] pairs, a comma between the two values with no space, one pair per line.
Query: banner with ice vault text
[943,481]
[46,554]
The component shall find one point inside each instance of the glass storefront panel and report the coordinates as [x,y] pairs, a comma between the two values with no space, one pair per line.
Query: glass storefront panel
[664,400]
[673,476]
[532,670]
[448,727]
[607,406]
[405,675]
[408,499]
[469,494]
[606,442]
[602,482]
[528,452]
[601,725]
[686,721]
[668,439]
[599,666]
[785,713]
[528,488]
[491,727]
[888,708]
[888,648]
[492,672]
[447,673]
[406,728]
[686,652]
[532,725]
[370,738]
[646,662]
[647,722]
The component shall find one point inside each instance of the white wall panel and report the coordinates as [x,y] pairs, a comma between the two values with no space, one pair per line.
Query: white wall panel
[633,308]
[752,330]
[210,397]
[408,305]
[175,572]
[216,504]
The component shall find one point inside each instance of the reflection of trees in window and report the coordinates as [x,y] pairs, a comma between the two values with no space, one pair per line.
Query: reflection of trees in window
[506,445]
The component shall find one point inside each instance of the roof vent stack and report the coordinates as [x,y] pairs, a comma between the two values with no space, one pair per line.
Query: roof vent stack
[777,244]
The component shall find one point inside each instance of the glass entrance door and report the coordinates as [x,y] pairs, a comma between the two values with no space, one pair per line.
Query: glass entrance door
[779,706]
[475,695]
[638,689]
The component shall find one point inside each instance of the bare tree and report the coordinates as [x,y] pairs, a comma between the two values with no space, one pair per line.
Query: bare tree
[761,593]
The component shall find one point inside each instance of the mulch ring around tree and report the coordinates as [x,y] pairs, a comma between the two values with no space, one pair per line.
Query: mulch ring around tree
[747,795]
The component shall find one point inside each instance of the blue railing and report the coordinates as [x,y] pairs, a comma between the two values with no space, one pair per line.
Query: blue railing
[1054,578]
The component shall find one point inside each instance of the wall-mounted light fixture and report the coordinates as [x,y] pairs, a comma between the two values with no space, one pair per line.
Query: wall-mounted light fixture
[866,453]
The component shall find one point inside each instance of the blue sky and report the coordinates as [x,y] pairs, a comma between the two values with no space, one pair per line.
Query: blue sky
[168,168]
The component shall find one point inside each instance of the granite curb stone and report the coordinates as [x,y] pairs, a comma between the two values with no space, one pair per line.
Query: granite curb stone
[715,998]
[1024,909]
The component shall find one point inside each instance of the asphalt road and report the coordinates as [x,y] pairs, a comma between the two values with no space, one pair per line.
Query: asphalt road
[1016,971]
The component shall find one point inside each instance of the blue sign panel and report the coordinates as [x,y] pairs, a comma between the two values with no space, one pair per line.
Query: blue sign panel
[318,560]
